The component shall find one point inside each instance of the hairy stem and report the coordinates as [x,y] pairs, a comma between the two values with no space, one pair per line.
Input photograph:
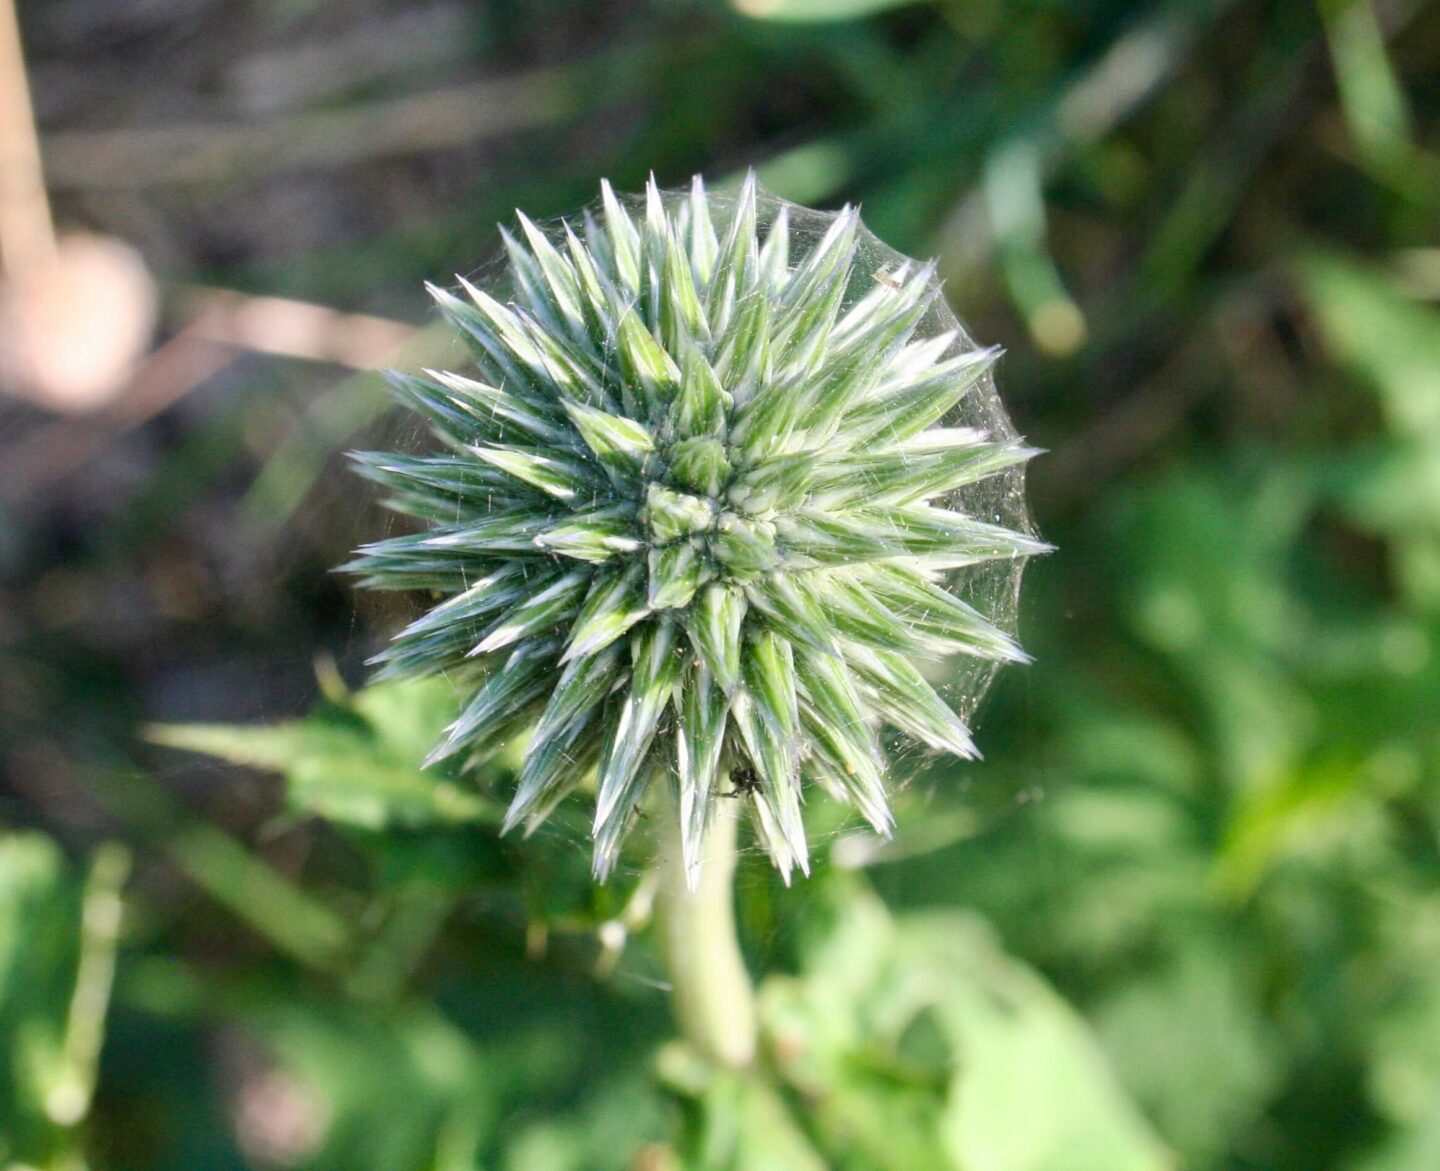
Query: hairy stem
[713,1001]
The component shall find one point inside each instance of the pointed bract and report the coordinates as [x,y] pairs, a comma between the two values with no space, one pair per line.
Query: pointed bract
[654,671]
[700,507]
[702,712]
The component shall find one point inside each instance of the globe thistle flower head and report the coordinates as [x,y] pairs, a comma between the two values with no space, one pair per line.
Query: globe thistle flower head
[702,506]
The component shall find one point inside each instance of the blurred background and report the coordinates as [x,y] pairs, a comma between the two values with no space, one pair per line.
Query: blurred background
[1206,834]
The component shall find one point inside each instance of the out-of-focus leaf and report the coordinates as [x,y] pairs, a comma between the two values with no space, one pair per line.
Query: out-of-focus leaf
[357,761]
[57,956]
[1190,1040]
[1371,95]
[1407,1149]
[1385,336]
[1392,342]
[739,1122]
[920,1044]
[1308,807]
[544,1083]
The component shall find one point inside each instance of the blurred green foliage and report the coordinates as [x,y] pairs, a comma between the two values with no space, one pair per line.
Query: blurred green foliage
[39,937]
[1186,912]
[57,956]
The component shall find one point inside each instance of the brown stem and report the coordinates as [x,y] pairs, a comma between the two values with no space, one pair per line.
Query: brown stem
[27,233]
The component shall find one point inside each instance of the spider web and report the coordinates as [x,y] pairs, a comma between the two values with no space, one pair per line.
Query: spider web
[992,586]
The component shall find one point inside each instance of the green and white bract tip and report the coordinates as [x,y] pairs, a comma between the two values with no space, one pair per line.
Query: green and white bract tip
[698,509]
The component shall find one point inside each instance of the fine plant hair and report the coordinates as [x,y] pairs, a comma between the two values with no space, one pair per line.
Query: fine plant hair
[724,487]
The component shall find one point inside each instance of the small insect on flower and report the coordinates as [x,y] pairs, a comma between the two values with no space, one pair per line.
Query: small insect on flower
[744,782]
[717,485]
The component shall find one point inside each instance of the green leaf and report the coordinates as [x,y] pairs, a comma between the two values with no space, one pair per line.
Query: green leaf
[746,1124]
[40,930]
[356,761]
[927,1046]
[1032,1090]
[1192,1038]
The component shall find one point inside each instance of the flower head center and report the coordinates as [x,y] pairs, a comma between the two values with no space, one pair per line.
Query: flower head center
[671,516]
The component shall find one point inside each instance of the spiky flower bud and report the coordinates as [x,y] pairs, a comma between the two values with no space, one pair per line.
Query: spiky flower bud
[698,508]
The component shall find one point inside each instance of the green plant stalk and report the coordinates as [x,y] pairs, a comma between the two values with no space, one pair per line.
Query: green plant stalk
[713,1000]
[68,1100]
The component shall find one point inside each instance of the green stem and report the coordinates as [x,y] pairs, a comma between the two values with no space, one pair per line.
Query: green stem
[68,1101]
[713,1000]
